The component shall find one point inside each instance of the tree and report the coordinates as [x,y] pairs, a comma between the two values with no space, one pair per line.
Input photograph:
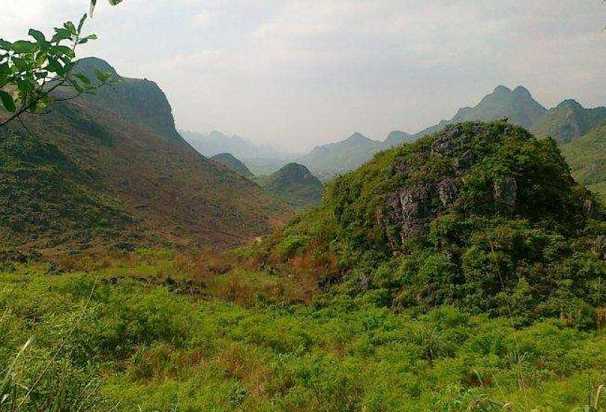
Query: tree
[31,70]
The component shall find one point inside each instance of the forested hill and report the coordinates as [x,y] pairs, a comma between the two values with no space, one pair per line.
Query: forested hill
[485,217]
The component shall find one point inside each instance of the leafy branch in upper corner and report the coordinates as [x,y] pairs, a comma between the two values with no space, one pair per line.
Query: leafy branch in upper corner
[31,70]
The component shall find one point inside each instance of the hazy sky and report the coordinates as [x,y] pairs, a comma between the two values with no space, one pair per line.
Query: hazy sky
[298,73]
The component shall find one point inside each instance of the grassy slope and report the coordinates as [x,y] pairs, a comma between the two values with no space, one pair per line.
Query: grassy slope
[587,159]
[102,343]
[42,191]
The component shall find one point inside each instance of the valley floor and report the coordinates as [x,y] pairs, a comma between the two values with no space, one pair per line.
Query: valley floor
[145,332]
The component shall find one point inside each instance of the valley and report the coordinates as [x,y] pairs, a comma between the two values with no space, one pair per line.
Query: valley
[147,265]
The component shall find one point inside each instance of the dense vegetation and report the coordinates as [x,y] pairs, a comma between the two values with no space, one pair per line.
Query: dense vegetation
[481,216]
[587,159]
[118,333]
[464,272]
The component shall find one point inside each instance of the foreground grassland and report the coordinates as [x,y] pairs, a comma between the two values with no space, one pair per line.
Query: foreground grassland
[154,331]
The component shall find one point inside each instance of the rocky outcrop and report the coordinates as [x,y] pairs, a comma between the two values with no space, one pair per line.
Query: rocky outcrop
[506,191]
[453,173]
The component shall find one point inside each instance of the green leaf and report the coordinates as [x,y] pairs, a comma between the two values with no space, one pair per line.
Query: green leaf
[23,46]
[41,58]
[5,72]
[5,69]
[25,86]
[5,45]
[55,67]
[60,35]
[71,28]
[81,24]
[64,51]
[38,36]
[87,38]
[7,101]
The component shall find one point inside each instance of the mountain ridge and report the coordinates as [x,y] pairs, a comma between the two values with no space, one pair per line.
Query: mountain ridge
[230,161]
[170,193]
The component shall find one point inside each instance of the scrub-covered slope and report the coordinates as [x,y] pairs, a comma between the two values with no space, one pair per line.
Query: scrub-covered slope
[117,156]
[481,215]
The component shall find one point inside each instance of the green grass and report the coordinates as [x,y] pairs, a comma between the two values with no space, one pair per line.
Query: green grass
[129,345]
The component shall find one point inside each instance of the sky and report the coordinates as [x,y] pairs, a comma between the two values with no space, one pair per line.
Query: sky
[298,73]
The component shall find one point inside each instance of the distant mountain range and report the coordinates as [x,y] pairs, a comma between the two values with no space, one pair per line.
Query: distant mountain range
[565,123]
[329,160]
[216,142]
[568,121]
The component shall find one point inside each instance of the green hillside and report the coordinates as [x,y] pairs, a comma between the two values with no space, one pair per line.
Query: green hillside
[42,192]
[294,184]
[229,161]
[111,170]
[587,159]
[482,216]
[464,272]
[137,101]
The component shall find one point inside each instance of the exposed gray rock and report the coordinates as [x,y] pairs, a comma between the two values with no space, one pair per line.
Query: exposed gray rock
[400,166]
[465,161]
[447,190]
[506,191]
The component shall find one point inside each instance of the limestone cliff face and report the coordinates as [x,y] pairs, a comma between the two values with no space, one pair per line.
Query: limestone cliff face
[138,101]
